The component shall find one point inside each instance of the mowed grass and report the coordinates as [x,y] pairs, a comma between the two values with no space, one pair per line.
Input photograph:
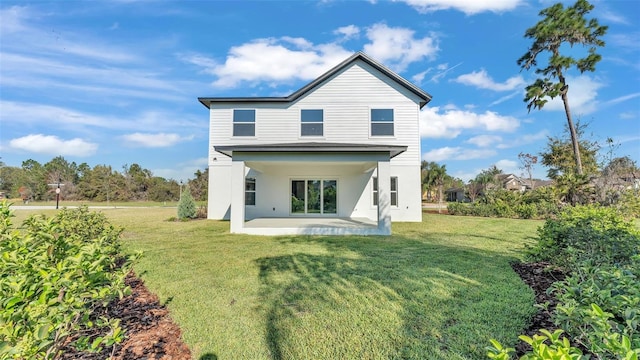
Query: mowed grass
[439,289]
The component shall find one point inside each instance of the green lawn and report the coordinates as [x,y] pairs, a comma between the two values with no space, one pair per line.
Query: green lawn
[439,289]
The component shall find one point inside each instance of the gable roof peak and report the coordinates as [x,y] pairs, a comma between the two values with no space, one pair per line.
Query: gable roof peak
[359,55]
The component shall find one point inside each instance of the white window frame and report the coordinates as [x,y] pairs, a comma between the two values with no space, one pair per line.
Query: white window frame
[302,123]
[249,191]
[374,191]
[234,123]
[387,122]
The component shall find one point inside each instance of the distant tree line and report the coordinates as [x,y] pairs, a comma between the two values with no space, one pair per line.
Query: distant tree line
[35,181]
[606,179]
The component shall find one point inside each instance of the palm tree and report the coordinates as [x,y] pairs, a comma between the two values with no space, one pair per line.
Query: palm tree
[434,175]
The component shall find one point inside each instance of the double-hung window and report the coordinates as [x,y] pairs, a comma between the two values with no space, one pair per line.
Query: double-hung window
[250,191]
[244,122]
[381,122]
[311,122]
[394,191]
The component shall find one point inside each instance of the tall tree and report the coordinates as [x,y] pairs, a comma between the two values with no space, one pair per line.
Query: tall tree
[527,162]
[434,175]
[561,26]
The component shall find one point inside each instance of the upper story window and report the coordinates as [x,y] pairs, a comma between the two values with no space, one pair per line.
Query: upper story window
[311,122]
[244,122]
[381,122]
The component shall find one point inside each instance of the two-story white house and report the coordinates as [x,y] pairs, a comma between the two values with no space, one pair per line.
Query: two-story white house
[339,156]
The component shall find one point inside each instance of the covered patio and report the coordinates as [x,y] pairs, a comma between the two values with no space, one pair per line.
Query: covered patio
[280,167]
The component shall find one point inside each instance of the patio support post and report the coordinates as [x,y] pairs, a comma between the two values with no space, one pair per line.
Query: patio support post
[237,196]
[384,197]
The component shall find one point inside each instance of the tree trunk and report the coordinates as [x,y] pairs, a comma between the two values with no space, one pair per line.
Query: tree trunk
[439,198]
[572,130]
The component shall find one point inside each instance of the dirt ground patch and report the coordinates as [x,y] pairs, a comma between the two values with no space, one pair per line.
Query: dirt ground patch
[151,334]
[539,276]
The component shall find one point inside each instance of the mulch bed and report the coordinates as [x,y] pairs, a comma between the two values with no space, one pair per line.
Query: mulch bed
[539,276]
[151,334]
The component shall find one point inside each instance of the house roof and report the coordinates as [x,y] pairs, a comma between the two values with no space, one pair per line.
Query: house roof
[424,96]
[394,150]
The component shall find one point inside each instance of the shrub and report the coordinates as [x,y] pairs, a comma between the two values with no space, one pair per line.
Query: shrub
[599,307]
[456,208]
[526,211]
[53,274]
[202,212]
[586,233]
[186,205]
[598,303]
[629,203]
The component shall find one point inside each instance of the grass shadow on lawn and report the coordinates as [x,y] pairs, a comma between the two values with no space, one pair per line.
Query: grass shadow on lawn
[395,297]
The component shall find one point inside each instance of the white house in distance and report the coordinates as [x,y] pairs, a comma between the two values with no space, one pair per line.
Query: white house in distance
[339,156]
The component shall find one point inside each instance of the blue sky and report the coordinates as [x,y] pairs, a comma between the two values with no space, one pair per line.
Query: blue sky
[116,82]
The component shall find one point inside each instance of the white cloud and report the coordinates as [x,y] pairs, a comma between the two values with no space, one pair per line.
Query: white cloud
[67,118]
[485,140]
[466,6]
[457,153]
[612,17]
[506,97]
[288,59]
[628,115]
[451,122]
[441,71]
[52,145]
[271,59]
[521,140]
[582,94]
[622,98]
[397,47]
[154,140]
[347,32]
[482,80]
[507,166]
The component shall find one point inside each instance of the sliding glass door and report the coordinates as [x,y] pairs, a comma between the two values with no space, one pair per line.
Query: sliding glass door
[314,197]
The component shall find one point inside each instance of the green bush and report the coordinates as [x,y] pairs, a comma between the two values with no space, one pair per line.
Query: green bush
[601,328]
[526,211]
[586,233]
[187,205]
[53,274]
[629,203]
[456,208]
[599,303]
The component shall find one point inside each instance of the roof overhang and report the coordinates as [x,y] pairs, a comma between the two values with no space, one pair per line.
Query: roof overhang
[312,147]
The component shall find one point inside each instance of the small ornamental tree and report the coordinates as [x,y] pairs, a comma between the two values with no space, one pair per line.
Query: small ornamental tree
[186,205]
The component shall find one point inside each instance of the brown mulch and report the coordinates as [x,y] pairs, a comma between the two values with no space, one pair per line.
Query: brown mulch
[150,332]
[539,276]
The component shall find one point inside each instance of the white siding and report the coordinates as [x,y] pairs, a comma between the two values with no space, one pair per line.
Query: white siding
[346,98]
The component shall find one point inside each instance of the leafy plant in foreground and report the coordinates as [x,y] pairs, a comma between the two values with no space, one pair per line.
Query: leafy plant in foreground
[53,274]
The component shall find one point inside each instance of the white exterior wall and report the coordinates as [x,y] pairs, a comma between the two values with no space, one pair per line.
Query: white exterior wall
[346,99]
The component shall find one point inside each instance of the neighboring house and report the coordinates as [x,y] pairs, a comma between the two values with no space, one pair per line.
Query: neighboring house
[456,195]
[345,146]
[511,182]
